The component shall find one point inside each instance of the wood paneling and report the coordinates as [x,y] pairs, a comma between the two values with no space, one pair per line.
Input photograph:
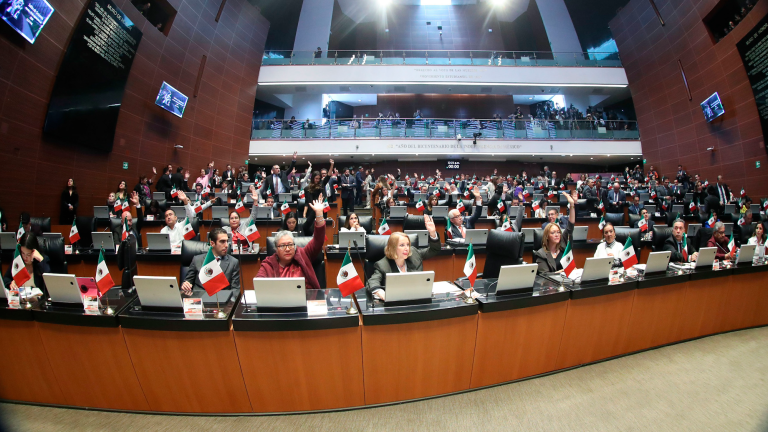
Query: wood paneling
[92,366]
[188,371]
[656,317]
[416,360]
[518,343]
[703,308]
[302,370]
[747,302]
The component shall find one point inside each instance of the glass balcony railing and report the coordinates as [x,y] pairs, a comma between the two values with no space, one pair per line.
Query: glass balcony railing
[436,128]
[440,57]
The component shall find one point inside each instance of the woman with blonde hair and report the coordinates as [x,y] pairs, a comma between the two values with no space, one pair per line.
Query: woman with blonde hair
[399,257]
[554,241]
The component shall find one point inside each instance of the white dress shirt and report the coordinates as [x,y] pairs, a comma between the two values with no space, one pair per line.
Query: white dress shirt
[176,234]
[603,248]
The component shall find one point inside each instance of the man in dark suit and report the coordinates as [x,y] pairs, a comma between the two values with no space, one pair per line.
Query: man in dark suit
[682,177]
[180,180]
[459,225]
[723,191]
[277,180]
[126,254]
[164,183]
[228,175]
[359,181]
[615,199]
[229,265]
[554,216]
[636,205]
[664,191]
[347,192]
[674,244]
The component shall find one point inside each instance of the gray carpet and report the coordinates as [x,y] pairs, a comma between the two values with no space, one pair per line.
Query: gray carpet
[718,383]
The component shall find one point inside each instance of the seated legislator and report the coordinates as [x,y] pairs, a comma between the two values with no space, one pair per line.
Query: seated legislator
[636,205]
[352,223]
[289,261]
[291,224]
[554,240]
[29,227]
[720,241]
[674,244]
[270,204]
[759,240]
[459,226]
[431,202]
[35,263]
[553,216]
[174,227]
[648,234]
[235,222]
[229,266]
[401,258]
[609,247]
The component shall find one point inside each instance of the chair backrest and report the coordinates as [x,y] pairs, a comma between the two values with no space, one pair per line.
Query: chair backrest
[660,235]
[116,225]
[734,217]
[43,222]
[622,233]
[503,248]
[704,235]
[538,234]
[190,249]
[374,250]
[366,222]
[745,232]
[633,219]
[616,219]
[53,248]
[85,226]
[318,264]
[413,222]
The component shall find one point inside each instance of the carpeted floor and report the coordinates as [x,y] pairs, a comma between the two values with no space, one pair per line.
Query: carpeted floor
[718,383]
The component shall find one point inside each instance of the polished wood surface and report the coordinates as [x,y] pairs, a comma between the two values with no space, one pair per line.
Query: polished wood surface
[159,268]
[27,375]
[595,328]
[188,371]
[416,360]
[302,370]
[747,301]
[703,308]
[656,317]
[442,265]
[93,367]
[87,268]
[517,343]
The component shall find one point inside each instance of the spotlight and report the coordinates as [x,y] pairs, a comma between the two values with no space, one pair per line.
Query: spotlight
[384,3]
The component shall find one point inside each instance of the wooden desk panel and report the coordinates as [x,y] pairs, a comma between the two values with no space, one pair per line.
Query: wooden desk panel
[27,375]
[92,366]
[656,317]
[595,328]
[703,308]
[248,271]
[160,268]
[443,266]
[302,370]
[87,268]
[333,265]
[416,360]
[746,304]
[517,343]
[188,371]
[460,258]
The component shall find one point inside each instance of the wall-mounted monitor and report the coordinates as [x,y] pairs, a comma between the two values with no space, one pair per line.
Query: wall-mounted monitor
[712,107]
[28,17]
[171,100]
[453,165]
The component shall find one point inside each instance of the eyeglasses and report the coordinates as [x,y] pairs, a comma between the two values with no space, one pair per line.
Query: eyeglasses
[286,246]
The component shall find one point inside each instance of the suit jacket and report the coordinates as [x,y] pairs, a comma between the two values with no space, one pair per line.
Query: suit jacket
[615,208]
[635,210]
[359,179]
[269,181]
[347,187]
[670,245]
[229,267]
[544,259]
[164,185]
[650,225]
[726,191]
[413,263]
[469,223]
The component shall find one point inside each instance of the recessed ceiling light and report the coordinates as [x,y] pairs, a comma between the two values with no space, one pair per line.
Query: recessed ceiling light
[591,158]
[530,97]
[359,100]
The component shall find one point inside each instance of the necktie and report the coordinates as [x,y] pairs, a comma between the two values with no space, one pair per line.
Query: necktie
[679,247]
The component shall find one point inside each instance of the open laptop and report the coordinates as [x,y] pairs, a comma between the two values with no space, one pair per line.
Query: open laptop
[422,237]
[262,213]
[657,262]
[440,211]
[596,269]
[8,240]
[651,209]
[158,195]
[179,210]
[476,236]
[754,208]
[158,292]
[420,196]
[398,211]
[63,288]
[730,208]
[529,234]
[219,212]
[104,239]
[158,242]
[677,208]
[693,229]
[706,257]
[348,238]
[516,277]
[580,233]
[280,293]
[746,253]
[223,198]
[101,212]
[728,228]
[284,197]
[645,196]
[409,287]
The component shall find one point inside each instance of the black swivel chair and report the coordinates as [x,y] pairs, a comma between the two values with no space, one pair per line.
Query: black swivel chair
[43,222]
[318,264]
[538,234]
[366,222]
[502,249]
[660,235]
[704,235]
[53,248]
[85,226]
[732,217]
[745,233]
[616,219]
[413,222]
[374,250]
[634,219]
[189,250]
[623,233]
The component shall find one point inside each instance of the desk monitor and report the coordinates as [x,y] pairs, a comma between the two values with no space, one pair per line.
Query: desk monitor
[657,262]
[287,197]
[529,234]
[693,229]
[420,196]
[746,253]
[280,293]
[399,183]
[2,289]
[728,228]
[398,211]
[8,240]
[219,212]
[551,207]
[529,189]
[678,208]
[538,197]
[706,257]
[645,196]
[689,196]
[409,287]
[263,213]
[101,212]
[158,292]
[512,211]
[516,277]
[476,236]
[158,242]
[651,209]
[179,210]
[730,208]
[63,288]
[222,197]
[754,208]
[348,239]
[430,189]
[158,195]
[580,233]
[596,269]
[103,239]
[440,211]
[422,237]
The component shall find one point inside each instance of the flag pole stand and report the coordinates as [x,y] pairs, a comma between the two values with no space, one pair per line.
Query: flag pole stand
[28,304]
[108,310]
[470,299]
[354,307]
[220,313]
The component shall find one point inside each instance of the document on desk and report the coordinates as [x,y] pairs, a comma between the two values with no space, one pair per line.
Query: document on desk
[444,287]
[576,274]
[317,308]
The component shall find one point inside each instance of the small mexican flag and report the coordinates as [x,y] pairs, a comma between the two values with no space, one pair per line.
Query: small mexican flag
[436,191]
[526,194]
[460,206]
[326,206]
[643,225]
[174,192]
[103,279]
[466,193]
[567,261]
[535,206]
[470,267]
[601,225]
[19,271]
[501,206]
[420,206]
[239,207]
[685,247]
[601,206]
[765,204]
[712,220]
[250,231]
[118,205]
[197,207]
[506,226]
[653,194]
[550,194]
[743,194]
[211,276]
[125,230]
[384,227]
[448,234]
[189,233]
[347,279]
[731,244]
[301,194]
[20,231]
[285,208]
[562,186]
[663,204]
[269,191]
[628,257]
[74,235]
[125,205]
[706,183]
[692,206]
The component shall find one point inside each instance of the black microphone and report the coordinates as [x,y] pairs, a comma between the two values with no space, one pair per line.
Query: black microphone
[357,250]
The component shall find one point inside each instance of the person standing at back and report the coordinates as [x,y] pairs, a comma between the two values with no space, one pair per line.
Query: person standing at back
[347,192]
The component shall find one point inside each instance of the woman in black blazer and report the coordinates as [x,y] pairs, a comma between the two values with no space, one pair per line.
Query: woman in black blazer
[554,241]
[431,202]
[712,201]
[35,262]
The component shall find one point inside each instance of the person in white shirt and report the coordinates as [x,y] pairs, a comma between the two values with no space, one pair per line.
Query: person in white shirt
[609,247]
[759,240]
[352,223]
[175,227]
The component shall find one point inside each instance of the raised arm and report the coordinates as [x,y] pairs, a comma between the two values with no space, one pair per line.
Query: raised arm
[572,202]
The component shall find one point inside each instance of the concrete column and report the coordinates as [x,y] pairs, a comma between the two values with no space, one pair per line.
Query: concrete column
[314,28]
[560,30]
